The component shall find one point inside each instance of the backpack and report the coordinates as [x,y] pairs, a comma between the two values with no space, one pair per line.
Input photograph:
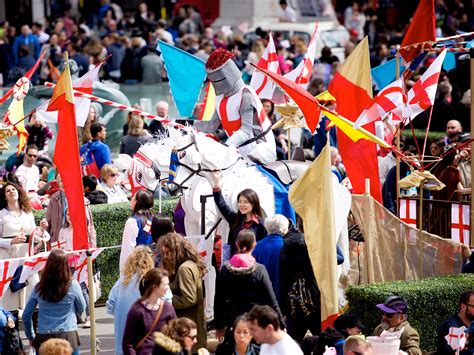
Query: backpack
[302,298]
[88,162]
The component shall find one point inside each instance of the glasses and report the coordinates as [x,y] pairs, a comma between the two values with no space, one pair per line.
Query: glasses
[113,175]
[469,305]
[32,156]
[192,337]
[388,315]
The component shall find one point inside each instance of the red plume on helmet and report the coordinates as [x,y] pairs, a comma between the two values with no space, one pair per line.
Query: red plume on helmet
[217,58]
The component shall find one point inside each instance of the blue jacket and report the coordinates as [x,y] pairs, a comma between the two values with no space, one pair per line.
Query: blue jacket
[101,152]
[267,252]
[54,317]
[31,41]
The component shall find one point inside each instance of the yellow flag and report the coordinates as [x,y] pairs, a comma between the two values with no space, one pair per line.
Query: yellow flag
[312,198]
[353,133]
[14,114]
[209,104]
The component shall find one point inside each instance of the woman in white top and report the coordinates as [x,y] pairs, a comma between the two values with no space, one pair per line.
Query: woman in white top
[111,187]
[16,224]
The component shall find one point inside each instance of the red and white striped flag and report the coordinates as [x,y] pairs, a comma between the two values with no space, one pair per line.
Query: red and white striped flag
[269,61]
[7,269]
[456,338]
[33,265]
[423,93]
[386,101]
[82,104]
[460,223]
[408,211]
[302,73]
[81,268]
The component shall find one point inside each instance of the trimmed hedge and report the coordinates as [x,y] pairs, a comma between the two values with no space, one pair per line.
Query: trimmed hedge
[109,221]
[430,302]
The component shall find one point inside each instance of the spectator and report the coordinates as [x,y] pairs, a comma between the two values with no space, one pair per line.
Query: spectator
[148,314]
[327,57]
[130,68]
[267,251]
[156,127]
[55,346]
[111,186]
[186,269]
[129,117]
[357,345]
[52,57]
[443,109]
[248,216]
[288,15]
[152,67]
[394,318]
[28,173]
[160,226]
[162,33]
[242,340]
[75,53]
[7,59]
[26,61]
[37,30]
[449,175]
[58,298]
[96,197]
[26,38]
[117,49]
[38,134]
[85,134]
[242,283]
[137,228]
[464,317]
[7,320]
[266,330]
[453,127]
[95,154]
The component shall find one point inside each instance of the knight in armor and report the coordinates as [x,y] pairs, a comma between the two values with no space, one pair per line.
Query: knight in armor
[239,110]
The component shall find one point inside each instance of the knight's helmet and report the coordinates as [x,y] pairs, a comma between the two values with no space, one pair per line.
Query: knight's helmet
[223,72]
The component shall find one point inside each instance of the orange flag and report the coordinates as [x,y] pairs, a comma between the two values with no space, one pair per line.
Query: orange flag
[66,156]
[352,88]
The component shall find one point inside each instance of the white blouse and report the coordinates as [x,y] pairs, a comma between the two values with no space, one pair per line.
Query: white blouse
[114,194]
[11,226]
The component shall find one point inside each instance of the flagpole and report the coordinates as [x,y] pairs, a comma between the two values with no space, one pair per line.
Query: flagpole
[472,143]
[288,133]
[397,167]
[90,277]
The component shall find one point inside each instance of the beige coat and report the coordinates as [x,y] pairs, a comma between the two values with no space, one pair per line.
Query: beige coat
[188,298]
[409,341]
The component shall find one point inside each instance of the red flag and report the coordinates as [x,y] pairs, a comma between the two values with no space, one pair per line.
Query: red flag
[422,30]
[352,88]
[66,157]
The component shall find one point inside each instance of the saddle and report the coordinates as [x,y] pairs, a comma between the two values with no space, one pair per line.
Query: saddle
[283,169]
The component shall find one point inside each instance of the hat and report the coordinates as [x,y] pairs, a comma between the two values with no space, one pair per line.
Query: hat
[394,304]
[347,320]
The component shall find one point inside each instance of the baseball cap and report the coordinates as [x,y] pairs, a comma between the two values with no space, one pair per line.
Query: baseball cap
[394,304]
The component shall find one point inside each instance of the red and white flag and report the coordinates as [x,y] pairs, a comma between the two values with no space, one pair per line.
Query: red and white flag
[82,104]
[80,274]
[422,95]
[460,223]
[456,338]
[302,73]
[408,211]
[33,265]
[7,269]
[387,100]
[269,61]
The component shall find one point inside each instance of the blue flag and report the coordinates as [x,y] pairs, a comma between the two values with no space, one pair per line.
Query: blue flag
[385,73]
[186,74]
[282,203]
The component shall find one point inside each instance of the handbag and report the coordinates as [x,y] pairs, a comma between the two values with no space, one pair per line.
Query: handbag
[11,341]
[158,314]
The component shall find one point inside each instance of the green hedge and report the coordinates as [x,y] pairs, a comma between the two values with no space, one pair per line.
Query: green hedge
[430,301]
[109,221]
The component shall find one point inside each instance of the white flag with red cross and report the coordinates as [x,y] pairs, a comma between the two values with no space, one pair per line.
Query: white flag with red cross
[456,338]
[33,265]
[302,73]
[269,61]
[408,211]
[81,268]
[7,269]
[460,223]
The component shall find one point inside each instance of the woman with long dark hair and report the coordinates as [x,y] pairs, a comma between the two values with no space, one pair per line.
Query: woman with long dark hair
[249,214]
[186,269]
[137,229]
[148,314]
[16,224]
[59,298]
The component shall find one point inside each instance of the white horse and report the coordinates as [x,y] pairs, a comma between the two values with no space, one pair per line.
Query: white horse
[198,156]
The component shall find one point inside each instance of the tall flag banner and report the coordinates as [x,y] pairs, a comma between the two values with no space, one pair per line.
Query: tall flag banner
[66,156]
[386,73]
[186,74]
[386,101]
[423,93]
[209,104]
[301,75]
[82,104]
[15,112]
[312,197]
[269,61]
[352,88]
[7,269]
[422,31]
[460,223]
